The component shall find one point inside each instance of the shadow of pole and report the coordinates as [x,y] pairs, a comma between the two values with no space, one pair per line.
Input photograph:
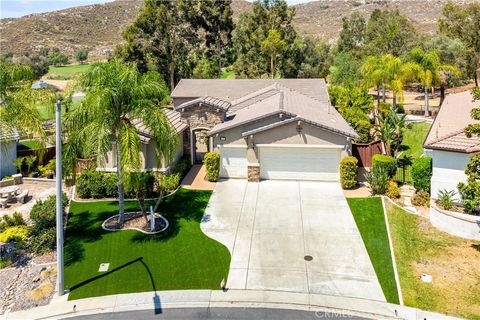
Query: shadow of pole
[156,299]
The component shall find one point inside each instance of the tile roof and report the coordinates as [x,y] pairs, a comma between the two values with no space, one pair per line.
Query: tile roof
[210,101]
[291,103]
[232,89]
[447,131]
[173,117]
[8,134]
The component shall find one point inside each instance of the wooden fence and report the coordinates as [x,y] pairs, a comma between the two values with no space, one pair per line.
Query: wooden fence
[365,151]
[49,153]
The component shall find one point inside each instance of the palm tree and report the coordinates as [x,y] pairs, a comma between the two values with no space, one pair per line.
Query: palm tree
[374,74]
[390,130]
[18,101]
[427,69]
[116,93]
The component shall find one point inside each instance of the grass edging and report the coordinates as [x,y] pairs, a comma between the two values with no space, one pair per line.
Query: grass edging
[392,254]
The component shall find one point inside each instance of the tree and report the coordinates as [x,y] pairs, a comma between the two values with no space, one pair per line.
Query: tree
[375,74]
[205,68]
[81,56]
[167,34]
[389,32]
[253,28]
[345,70]
[474,129]
[58,58]
[314,58]
[38,62]
[352,35]
[427,69]
[463,22]
[18,101]
[115,94]
[273,46]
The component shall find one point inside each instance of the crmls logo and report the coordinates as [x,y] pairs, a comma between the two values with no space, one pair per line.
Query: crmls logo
[332,315]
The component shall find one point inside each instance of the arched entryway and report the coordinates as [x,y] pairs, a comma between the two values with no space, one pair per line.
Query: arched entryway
[199,145]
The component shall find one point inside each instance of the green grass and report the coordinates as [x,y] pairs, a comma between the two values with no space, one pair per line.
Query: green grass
[413,138]
[370,220]
[30,144]
[66,72]
[180,258]
[452,261]
[228,74]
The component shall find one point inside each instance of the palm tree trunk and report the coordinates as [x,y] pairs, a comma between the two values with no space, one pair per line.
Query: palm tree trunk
[427,113]
[171,71]
[384,92]
[159,200]
[442,94]
[121,195]
[394,102]
[378,95]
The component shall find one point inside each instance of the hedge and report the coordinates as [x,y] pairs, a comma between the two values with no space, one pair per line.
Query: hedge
[212,164]
[388,163]
[348,172]
[422,173]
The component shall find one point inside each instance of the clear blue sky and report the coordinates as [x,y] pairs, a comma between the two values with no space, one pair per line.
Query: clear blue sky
[18,8]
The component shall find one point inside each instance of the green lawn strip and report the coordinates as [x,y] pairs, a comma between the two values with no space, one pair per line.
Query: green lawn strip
[30,144]
[370,220]
[180,258]
[413,138]
[70,69]
[228,75]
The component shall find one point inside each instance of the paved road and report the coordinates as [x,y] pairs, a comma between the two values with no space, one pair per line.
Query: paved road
[219,314]
[272,227]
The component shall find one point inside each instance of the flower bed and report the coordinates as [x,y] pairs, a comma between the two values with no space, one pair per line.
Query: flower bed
[136,221]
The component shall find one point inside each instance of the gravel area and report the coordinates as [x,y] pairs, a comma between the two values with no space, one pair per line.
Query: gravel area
[28,283]
[135,220]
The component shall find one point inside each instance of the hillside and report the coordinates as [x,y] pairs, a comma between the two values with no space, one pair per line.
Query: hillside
[98,27]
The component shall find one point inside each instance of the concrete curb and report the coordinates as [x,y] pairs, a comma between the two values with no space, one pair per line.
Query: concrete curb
[60,308]
[392,254]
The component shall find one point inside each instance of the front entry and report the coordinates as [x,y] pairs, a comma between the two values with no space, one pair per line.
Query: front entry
[199,144]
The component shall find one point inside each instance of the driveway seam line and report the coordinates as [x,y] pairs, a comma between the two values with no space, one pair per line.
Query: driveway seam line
[251,236]
[303,236]
[238,223]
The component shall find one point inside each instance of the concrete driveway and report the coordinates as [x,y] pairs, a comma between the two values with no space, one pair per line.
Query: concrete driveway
[269,227]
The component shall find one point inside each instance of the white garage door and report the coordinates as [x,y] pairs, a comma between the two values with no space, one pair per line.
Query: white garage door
[299,163]
[233,162]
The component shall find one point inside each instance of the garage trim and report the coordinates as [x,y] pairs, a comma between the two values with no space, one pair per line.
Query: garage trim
[309,146]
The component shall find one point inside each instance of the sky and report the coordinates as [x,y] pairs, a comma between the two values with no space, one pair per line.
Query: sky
[18,8]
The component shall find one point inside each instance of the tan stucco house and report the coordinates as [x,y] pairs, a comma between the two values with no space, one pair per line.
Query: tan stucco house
[264,129]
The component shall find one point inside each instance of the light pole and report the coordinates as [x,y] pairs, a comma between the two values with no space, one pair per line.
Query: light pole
[59,210]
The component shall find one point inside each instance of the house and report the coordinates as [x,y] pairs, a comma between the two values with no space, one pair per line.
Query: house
[447,143]
[8,152]
[264,129]
[148,158]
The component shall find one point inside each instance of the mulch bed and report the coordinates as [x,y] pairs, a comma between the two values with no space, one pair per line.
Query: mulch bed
[135,220]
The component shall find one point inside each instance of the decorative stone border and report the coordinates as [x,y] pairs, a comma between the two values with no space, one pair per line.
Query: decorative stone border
[458,224]
[140,230]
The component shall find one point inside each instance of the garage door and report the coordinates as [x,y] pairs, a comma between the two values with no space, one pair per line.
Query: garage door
[233,162]
[299,163]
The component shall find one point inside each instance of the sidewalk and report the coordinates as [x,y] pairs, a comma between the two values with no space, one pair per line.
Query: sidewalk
[195,179]
[60,308]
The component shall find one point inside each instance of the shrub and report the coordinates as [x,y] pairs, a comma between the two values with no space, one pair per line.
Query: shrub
[96,184]
[42,235]
[5,262]
[17,234]
[421,198]
[212,164]
[348,172]
[378,179]
[182,166]
[470,191]
[393,191]
[445,199]
[388,163]
[170,182]
[15,219]
[110,183]
[422,173]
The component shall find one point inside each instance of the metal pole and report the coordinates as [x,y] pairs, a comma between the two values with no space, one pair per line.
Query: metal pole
[59,211]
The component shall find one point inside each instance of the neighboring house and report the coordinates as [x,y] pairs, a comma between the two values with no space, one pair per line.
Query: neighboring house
[447,143]
[8,152]
[148,158]
[264,129]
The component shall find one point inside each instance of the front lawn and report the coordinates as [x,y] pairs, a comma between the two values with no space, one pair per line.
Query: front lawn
[451,261]
[182,257]
[413,138]
[66,72]
[370,220]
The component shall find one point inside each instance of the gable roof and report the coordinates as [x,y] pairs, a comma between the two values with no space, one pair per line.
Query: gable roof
[290,103]
[9,135]
[447,131]
[173,117]
[232,89]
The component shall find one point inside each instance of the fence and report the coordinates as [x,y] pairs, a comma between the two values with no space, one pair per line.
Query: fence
[49,153]
[365,151]
[404,174]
